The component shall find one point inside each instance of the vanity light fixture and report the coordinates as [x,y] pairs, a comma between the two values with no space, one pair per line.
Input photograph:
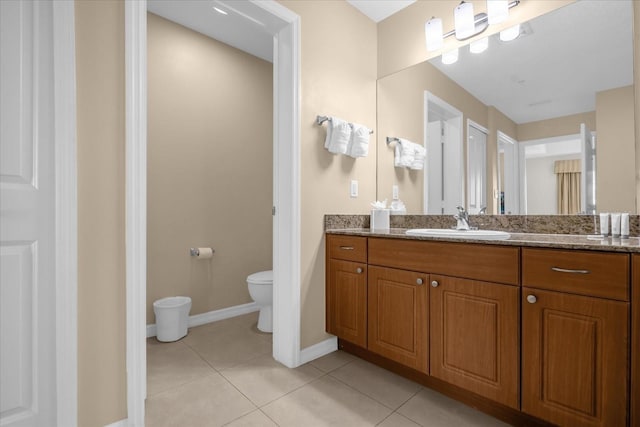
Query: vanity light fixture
[497,11]
[511,33]
[479,46]
[464,20]
[433,34]
[467,24]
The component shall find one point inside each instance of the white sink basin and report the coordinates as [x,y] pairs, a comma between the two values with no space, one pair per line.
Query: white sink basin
[459,234]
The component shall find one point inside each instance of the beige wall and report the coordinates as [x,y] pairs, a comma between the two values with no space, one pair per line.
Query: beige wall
[615,168]
[566,125]
[401,42]
[401,115]
[338,71]
[102,392]
[210,167]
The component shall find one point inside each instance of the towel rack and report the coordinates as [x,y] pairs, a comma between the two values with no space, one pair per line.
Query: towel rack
[391,139]
[321,119]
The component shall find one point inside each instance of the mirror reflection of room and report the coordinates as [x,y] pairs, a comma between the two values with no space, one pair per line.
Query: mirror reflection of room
[557,121]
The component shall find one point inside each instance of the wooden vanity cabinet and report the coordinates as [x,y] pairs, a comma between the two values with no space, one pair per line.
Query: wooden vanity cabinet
[398,316]
[474,336]
[575,344]
[346,290]
[468,332]
[548,334]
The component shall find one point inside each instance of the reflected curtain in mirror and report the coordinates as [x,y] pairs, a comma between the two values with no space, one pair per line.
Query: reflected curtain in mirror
[568,182]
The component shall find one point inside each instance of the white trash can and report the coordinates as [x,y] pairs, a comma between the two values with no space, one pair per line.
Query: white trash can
[172,317]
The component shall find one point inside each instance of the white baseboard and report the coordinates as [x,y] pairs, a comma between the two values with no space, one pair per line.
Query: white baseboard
[121,423]
[212,316]
[318,350]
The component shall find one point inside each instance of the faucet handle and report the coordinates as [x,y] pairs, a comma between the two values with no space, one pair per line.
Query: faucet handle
[460,209]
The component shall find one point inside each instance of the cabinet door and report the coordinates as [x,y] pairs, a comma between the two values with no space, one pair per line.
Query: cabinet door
[574,359]
[347,301]
[398,319]
[474,336]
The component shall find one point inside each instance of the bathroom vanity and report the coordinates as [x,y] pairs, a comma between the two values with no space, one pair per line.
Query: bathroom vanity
[532,330]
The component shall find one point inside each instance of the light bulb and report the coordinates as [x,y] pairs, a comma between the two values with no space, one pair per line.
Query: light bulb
[510,33]
[450,57]
[433,34]
[479,46]
[497,10]
[464,20]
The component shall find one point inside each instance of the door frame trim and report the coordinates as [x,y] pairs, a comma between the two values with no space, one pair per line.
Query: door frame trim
[286,253]
[66,212]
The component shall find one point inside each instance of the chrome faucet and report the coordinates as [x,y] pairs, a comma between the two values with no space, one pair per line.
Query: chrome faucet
[482,211]
[462,218]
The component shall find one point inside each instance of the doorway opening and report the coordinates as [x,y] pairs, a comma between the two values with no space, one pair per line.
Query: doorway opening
[444,177]
[284,28]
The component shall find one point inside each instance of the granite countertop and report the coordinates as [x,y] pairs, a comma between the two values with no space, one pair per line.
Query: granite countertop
[558,241]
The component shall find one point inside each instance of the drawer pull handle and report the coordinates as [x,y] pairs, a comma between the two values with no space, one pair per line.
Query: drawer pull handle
[565,270]
[419,281]
[435,284]
[531,299]
[358,270]
[347,248]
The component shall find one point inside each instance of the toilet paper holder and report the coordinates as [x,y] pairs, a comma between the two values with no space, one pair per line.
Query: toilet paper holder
[196,251]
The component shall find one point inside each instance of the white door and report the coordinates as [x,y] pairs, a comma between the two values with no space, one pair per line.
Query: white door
[27,220]
[508,174]
[452,169]
[476,169]
[435,193]
[588,175]
[444,174]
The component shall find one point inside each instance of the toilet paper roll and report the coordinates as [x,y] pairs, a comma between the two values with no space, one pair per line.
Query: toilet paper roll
[204,253]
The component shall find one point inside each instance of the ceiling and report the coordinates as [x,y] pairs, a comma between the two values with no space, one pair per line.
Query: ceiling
[377,10]
[237,29]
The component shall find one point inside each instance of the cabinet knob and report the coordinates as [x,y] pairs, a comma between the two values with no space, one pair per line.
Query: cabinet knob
[531,299]
[358,270]
[419,281]
[435,284]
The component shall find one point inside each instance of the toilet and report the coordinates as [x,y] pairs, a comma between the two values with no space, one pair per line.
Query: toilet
[261,291]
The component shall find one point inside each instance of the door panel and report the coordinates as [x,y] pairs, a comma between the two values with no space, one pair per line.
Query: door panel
[27,254]
[347,297]
[397,316]
[474,336]
[574,358]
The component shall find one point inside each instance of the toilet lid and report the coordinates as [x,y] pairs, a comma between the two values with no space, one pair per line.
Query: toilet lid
[261,278]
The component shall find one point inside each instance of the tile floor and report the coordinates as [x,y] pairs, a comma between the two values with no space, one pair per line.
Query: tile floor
[222,374]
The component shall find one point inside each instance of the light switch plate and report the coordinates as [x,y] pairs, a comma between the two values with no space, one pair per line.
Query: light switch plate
[395,192]
[354,188]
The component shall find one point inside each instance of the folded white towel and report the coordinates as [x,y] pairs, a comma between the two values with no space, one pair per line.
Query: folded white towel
[418,157]
[404,153]
[338,136]
[359,143]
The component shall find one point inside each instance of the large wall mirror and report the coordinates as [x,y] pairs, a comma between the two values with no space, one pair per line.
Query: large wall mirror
[543,124]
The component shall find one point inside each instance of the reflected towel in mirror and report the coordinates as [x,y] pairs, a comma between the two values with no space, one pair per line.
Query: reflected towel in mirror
[404,153]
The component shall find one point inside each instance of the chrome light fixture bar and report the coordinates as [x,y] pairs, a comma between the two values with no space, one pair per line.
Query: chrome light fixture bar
[481,22]
[467,24]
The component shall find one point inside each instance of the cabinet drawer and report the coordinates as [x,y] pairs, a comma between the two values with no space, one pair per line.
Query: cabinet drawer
[349,248]
[580,272]
[489,263]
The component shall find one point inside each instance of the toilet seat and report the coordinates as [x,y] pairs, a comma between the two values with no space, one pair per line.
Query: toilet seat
[261,278]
